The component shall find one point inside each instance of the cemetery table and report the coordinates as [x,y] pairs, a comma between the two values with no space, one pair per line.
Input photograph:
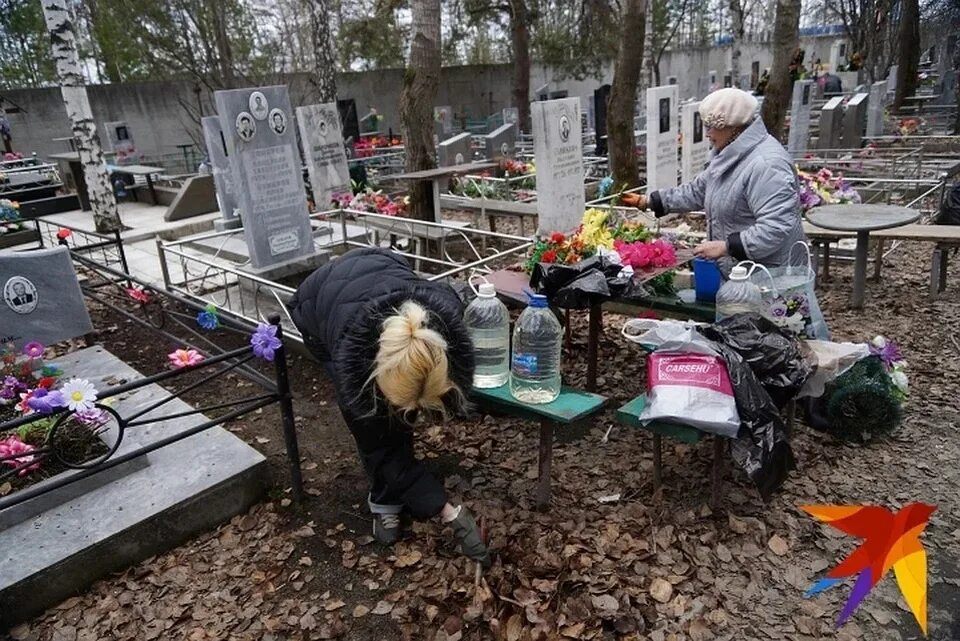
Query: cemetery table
[437,175]
[571,406]
[72,158]
[861,219]
[146,171]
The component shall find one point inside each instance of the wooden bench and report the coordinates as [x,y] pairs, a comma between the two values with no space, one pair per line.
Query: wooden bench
[492,208]
[570,407]
[944,238]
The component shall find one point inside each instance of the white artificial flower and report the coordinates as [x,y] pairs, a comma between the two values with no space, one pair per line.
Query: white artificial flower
[683,229]
[80,394]
[900,380]
[879,342]
[795,323]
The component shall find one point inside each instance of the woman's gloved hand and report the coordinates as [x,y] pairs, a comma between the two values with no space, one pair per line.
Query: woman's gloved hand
[467,533]
[634,200]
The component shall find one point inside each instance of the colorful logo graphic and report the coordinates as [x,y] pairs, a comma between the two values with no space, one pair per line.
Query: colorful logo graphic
[890,540]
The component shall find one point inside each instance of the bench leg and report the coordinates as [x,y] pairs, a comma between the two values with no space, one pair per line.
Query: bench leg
[944,260]
[523,231]
[878,260]
[545,463]
[657,462]
[791,416]
[593,339]
[717,471]
[826,262]
[936,263]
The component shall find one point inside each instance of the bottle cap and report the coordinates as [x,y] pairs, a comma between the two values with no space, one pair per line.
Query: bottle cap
[486,290]
[537,300]
[739,272]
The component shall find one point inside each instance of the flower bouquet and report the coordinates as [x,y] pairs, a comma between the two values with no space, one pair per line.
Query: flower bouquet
[825,188]
[368,200]
[792,313]
[10,220]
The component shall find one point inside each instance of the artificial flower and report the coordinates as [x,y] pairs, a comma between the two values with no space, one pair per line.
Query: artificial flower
[12,446]
[51,370]
[47,382]
[138,294]
[64,233]
[184,358]
[33,349]
[899,378]
[888,351]
[43,401]
[208,319]
[557,237]
[264,341]
[92,418]
[80,394]
[11,388]
[549,256]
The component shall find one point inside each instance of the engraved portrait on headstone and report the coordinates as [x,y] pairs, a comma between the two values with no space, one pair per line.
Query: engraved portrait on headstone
[246,127]
[258,105]
[20,295]
[278,121]
[564,128]
[323,148]
[664,115]
[697,127]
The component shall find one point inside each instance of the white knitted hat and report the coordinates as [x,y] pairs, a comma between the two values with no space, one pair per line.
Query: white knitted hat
[728,107]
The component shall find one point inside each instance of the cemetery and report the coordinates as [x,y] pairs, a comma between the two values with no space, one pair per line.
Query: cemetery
[457,321]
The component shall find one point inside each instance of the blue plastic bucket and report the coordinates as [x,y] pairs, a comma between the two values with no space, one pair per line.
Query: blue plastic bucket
[706,279]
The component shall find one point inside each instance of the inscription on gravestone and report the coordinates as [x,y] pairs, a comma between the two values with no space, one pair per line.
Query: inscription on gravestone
[323,148]
[662,130]
[558,149]
[222,172]
[269,185]
[693,153]
[800,115]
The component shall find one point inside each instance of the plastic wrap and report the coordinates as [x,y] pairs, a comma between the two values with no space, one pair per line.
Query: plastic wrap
[584,284]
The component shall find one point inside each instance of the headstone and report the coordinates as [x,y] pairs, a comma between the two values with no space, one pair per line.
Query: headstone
[601,97]
[754,73]
[703,87]
[455,151]
[262,147]
[854,121]
[558,149]
[442,122]
[323,148]
[223,180]
[500,142]
[878,92]
[745,82]
[713,79]
[41,298]
[892,81]
[727,80]
[800,116]
[838,52]
[349,122]
[511,116]
[831,117]
[662,130]
[693,153]
[671,80]
[121,142]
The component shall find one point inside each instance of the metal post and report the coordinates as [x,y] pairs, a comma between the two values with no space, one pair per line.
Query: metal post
[593,338]
[164,270]
[286,413]
[545,462]
[122,254]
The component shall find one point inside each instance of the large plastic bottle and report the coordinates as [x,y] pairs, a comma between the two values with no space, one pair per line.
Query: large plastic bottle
[738,295]
[537,340]
[488,323]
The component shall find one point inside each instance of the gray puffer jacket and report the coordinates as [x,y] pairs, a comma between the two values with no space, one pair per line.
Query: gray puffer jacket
[751,196]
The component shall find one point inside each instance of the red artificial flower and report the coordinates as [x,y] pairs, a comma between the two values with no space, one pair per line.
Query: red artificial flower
[557,238]
[549,256]
[64,233]
[648,314]
[47,382]
[138,295]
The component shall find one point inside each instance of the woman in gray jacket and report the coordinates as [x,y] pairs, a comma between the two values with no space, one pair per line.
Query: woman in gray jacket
[749,190]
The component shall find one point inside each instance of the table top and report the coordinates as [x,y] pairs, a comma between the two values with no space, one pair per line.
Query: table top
[138,170]
[445,172]
[571,406]
[65,155]
[864,217]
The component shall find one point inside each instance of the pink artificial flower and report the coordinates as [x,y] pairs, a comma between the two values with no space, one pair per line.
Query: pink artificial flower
[33,349]
[13,446]
[184,358]
[137,294]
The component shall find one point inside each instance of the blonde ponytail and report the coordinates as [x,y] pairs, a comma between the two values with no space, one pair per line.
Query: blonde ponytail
[411,367]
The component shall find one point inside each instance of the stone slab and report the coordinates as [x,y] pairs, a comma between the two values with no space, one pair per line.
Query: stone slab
[855,121]
[558,149]
[662,131]
[695,147]
[831,117]
[185,488]
[197,196]
[800,107]
[322,137]
[501,142]
[455,151]
[219,160]
[875,106]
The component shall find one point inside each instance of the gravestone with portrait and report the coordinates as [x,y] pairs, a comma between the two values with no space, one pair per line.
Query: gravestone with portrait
[442,122]
[455,151]
[855,121]
[262,148]
[693,152]
[601,96]
[713,80]
[349,122]
[223,180]
[800,108]
[511,116]
[41,298]
[875,107]
[662,130]
[500,142]
[831,118]
[121,142]
[558,151]
[323,148]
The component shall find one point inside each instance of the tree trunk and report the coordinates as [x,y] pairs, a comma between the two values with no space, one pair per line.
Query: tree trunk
[324,64]
[909,46]
[520,39]
[420,81]
[736,19]
[623,96]
[786,41]
[224,50]
[63,44]
[646,67]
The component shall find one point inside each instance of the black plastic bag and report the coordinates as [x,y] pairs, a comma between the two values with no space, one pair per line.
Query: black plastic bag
[589,282]
[773,355]
[950,207]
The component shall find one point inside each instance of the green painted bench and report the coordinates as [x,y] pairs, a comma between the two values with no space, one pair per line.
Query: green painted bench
[570,407]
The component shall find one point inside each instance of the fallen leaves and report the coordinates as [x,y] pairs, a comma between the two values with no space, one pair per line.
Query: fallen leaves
[661,590]
[778,546]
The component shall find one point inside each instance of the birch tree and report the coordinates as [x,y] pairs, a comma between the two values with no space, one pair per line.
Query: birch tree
[623,95]
[323,74]
[737,27]
[63,44]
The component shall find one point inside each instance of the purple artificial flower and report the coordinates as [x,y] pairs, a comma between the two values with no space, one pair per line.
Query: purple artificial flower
[808,198]
[92,418]
[265,341]
[33,349]
[43,401]
[11,388]
[778,309]
[889,352]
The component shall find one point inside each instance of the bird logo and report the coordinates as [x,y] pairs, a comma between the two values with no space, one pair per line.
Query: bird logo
[890,540]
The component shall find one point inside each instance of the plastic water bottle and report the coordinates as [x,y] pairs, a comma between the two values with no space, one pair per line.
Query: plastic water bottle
[738,295]
[488,323]
[537,339]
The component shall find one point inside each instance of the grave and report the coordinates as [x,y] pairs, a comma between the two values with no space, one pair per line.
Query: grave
[350,124]
[501,142]
[511,116]
[838,55]
[703,87]
[662,130]
[831,116]
[601,98]
[854,121]
[696,147]
[892,83]
[558,150]
[455,151]
[322,138]
[875,106]
[121,142]
[262,148]
[800,116]
[222,174]
[442,122]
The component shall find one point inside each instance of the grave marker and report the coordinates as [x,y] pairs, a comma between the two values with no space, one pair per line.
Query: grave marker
[455,151]
[693,154]
[892,82]
[322,137]
[800,116]
[442,121]
[662,130]
[349,123]
[263,153]
[511,116]
[878,92]
[830,118]
[121,142]
[223,180]
[558,149]
[500,142]
[854,121]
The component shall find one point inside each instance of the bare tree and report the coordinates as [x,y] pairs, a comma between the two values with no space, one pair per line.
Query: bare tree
[420,81]
[737,27]
[63,43]
[623,95]
[520,41]
[786,40]
[909,41]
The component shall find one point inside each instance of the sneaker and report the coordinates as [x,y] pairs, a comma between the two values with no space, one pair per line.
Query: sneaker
[386,528]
